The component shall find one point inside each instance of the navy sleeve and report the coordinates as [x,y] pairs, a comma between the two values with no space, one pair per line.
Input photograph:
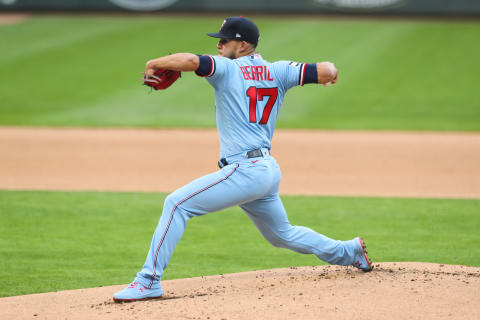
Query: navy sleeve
[206,67]
[310,75]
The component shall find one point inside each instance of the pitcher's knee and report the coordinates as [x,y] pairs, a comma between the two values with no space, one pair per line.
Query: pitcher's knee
[280,240]
[290,240]
[172,204]
[277,242]
[175,204]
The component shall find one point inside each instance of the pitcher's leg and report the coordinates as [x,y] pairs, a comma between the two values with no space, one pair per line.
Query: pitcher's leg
[210,193]
[167,234]
[269,216]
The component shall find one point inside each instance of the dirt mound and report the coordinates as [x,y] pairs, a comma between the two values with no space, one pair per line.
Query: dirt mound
[391,291]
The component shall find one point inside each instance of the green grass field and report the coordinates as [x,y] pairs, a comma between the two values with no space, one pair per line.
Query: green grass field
[395,75]
[65,240]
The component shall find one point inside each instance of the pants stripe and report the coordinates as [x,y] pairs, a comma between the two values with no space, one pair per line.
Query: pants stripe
[171,218]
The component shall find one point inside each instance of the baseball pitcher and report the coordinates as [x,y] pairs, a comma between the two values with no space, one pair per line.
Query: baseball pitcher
[249,92]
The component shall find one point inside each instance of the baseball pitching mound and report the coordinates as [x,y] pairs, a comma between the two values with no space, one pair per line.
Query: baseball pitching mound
[406,290]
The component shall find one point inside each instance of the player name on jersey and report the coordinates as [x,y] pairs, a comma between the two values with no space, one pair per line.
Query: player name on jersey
[256,73]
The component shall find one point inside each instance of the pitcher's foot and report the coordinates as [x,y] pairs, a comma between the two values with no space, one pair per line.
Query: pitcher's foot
[361,260]
[135,291]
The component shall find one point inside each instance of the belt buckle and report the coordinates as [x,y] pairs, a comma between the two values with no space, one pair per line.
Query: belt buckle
[222,163]
[255,153]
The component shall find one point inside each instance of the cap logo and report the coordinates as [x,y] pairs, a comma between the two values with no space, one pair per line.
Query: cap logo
[238,35]
[223,23]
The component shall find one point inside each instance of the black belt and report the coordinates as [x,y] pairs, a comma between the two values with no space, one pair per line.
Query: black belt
[250,154]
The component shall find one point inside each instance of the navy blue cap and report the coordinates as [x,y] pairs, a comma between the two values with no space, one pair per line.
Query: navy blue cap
[238,28]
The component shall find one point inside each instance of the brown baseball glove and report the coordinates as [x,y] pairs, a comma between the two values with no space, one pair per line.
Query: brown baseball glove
[161,79]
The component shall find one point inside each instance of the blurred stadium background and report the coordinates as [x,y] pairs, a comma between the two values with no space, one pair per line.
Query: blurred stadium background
[401,74]
[379,7]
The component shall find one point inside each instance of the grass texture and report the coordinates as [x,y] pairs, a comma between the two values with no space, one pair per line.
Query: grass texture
[65,240]
[395,75]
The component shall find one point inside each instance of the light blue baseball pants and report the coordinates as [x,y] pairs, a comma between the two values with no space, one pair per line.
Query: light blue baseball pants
[253,185]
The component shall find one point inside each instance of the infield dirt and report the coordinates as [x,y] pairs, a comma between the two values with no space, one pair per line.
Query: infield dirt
[313,162]
[11,18]
[391,291]
[398,164]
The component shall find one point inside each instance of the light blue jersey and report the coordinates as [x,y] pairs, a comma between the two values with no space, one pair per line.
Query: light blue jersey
[249,93]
